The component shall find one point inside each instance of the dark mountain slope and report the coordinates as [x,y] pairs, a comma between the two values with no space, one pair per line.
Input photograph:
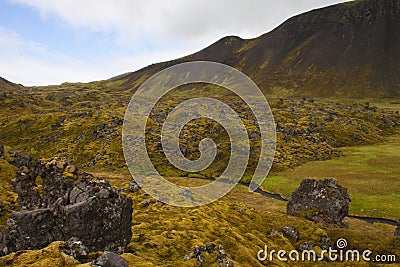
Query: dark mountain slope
[6,85]
[348,50]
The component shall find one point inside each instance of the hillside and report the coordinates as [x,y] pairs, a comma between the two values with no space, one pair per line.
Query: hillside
[6,85]
[344,50]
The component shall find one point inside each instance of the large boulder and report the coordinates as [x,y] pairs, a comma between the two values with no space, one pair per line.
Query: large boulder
[73,205]
[320,201]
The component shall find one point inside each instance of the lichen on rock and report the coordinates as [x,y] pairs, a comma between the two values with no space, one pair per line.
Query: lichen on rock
[322,201]
[78,207]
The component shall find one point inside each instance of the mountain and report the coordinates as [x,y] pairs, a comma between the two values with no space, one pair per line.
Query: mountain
[345,50]
[6,85]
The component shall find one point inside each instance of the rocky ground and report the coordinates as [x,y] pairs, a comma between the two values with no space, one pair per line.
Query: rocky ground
[229,232]
[83,123]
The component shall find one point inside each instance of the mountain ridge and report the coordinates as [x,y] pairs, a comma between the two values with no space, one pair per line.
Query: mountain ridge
[345,50]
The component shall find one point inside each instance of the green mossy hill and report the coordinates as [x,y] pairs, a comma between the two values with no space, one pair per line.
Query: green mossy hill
[83,122]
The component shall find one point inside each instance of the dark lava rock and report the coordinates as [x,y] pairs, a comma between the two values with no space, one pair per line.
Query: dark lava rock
[146,202]
[133,186]
[222,259]
[20,160]
[290,232]
[320,201]
[306,246]
[326,243]
[1,208]
[110,259]
[75,206]
[397,231]
[210,247]
[1,151]
[32,229]
[76,250]
[5,245]
[25,186]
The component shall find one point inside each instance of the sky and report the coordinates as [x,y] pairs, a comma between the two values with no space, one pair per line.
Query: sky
[46,42]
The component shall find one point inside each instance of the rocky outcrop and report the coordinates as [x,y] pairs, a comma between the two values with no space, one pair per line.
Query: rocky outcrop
[320,201]
[72,205]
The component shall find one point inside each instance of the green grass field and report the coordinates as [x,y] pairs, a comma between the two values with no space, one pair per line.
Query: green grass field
[371,174]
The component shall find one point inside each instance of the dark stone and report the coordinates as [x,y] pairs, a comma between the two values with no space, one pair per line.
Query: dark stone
[320,201]
[25,186]
[76,250]
[306,246]
[110,259]
[291,233]
[1,208]
[210,247]
[397,231]
[222,259]
[325,243]
[133,186]
[146,202]
[6,247]
[20,160]
[32,229]
[100,223]
[81,208]
[1,151]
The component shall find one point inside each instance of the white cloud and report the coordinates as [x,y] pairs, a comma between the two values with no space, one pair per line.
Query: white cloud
[192,21]
[30,63]
[159,30]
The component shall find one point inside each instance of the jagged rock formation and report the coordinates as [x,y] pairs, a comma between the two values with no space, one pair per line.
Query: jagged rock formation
[72,205]
[320,201]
